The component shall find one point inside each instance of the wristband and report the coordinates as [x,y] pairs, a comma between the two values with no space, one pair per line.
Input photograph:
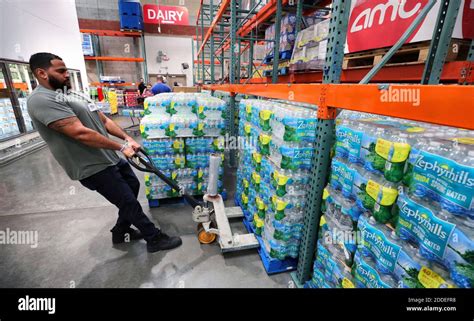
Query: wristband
[124,146]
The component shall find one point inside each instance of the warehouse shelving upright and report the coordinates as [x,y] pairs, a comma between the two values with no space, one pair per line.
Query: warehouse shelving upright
[440,104]
[95,34]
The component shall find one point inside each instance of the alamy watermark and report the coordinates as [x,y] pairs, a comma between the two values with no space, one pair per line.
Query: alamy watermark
[65,95]
[238,142]
[400,95]
[12,237]
[337,236]
[37,304]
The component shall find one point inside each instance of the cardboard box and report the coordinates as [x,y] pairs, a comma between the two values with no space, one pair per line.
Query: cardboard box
[186,89]
[380,23]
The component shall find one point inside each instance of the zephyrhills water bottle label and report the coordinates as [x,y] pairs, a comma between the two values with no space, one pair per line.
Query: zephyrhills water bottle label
[374,242]
[322,255]
[293,158]
[319,279]
[393,152]
[439,240]
[366,275]
[450,180]
[297,129]
[337,174]
[264,119]
[342,144]
[385,196]
[432,280]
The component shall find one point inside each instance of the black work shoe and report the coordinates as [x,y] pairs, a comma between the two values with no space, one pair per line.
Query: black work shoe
[122,236]
[163,242]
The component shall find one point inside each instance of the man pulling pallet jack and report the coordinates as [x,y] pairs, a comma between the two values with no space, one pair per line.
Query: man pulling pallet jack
[77,134]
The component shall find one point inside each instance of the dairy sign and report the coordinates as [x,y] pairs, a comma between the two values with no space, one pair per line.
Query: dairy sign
[380,23]
[155,14]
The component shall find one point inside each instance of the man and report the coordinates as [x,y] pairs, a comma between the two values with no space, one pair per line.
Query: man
[141,89]
[77,135]
[141,86]
[160,86]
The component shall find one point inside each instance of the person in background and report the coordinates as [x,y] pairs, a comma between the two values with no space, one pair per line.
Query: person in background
[141,86]
[176,84]
[147,92]
[141,89]
[77,134]
[160,86]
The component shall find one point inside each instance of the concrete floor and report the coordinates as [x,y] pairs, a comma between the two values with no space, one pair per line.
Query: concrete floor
[75,247]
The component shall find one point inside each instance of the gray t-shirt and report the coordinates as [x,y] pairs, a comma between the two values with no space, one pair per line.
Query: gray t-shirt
[78,160]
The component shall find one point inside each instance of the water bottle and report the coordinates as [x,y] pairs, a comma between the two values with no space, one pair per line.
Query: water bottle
[389,281]
[354,142]
[437,275]
[436,150]
[374,162]
[399,151]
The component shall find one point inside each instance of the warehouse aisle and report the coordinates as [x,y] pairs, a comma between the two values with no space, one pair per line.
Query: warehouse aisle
[75,247]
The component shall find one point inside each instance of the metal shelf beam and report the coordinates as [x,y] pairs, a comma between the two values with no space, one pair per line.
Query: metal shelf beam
[220,12]
[442,105]
[453,72]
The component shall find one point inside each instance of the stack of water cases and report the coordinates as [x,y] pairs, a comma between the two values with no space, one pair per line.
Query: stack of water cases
[180,132]
[287,36]
[406,189]
[273,172]
[8,124]
[24,113]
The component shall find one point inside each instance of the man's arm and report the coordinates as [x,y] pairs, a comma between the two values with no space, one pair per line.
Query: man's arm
[112,128]
[115,130]
[73,127]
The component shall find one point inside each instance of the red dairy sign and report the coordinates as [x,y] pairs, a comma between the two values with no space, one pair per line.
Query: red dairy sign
[165,15]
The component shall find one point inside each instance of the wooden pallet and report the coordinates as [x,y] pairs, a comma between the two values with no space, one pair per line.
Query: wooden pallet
[412,53]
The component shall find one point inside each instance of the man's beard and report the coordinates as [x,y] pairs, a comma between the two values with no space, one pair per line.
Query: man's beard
[56,84]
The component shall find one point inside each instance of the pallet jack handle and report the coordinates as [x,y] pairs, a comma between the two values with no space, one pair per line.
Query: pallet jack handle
[143,162]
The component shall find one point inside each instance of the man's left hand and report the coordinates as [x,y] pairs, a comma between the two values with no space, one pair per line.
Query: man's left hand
[133,144]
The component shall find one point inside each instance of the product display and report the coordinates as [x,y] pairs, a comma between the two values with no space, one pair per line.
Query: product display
[310,49]
[24,113]
[131,99]
[113,101]
[183,115]
[273,169]
[402,192]
[331,143]
[287,36]
[8,124]
[180,134]
[317,16]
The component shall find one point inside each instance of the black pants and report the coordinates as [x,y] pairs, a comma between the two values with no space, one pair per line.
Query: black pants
[119,185]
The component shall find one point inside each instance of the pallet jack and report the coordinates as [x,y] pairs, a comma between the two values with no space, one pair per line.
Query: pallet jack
[211,215]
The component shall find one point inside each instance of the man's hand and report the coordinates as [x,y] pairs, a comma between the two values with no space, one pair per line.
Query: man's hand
[128,152]
[132,143]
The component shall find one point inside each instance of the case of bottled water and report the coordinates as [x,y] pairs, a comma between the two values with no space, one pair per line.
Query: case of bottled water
[183,115]
[273,174]
[411,187]
[180,132]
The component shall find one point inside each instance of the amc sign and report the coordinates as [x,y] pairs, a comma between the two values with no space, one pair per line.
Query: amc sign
[165,15]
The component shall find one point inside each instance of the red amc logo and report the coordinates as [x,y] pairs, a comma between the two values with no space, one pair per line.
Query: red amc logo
[380,23]
[165,15]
